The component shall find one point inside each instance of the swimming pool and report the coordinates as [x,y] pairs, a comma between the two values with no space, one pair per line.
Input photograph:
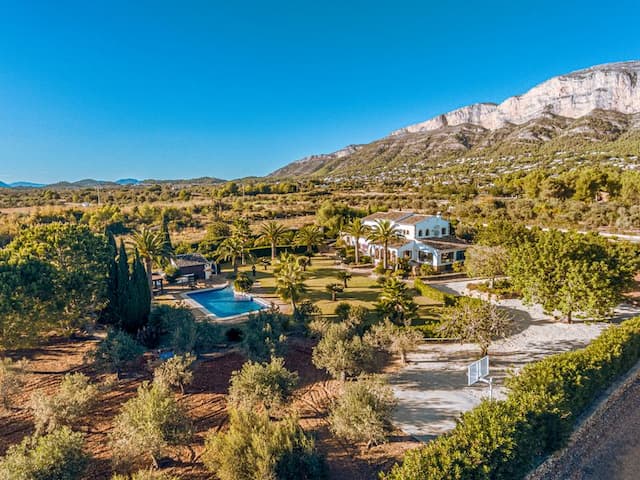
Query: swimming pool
[223,302]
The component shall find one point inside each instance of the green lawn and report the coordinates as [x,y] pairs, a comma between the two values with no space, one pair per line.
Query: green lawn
[362,289]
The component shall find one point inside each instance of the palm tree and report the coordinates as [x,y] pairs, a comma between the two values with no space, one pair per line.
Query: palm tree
[152,249]
[290,283]
[334,289]
[229,250]
[343,275]
[272,232]
[357,230]
[383,232]
[241,230]
[396,303]
[310,236]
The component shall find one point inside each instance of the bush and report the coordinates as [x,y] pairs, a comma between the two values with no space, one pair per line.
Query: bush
[175,372]
[255,447]
[147,424]
[117,351]
[434,294]
[12,379]
[363,412]
[74,399]
[233,334]
[427,270]
[505,439]
[243,283]
[266,385]
[56,456]
[171,273]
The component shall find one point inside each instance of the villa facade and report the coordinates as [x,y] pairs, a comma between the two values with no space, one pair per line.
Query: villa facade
[422,239]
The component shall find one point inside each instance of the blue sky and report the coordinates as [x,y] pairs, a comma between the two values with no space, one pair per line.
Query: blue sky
[157,89]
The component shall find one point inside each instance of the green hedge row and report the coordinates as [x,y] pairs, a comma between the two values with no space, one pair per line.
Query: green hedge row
[434,294]
[506,439]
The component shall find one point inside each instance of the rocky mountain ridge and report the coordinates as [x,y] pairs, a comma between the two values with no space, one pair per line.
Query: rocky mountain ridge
[597,104]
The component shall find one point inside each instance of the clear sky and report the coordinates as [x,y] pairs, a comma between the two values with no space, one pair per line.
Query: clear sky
[157,89]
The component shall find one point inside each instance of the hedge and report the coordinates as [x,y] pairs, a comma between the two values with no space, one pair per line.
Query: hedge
[505,439]
[434,294]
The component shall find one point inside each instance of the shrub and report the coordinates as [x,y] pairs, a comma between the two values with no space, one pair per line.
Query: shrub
[56,456]
[341,353]
[171,273]
[255,447]
[12,379]
[427,270]
[116,351]
[380,270]
[266,385]
[505,439]
[264,335]
[306,311]
[363,412]
[175,372]
[208,335]
[147,424]
[342,311]
[243,282]
[74,399]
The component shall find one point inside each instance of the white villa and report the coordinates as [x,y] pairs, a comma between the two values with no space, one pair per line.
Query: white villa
[423,239]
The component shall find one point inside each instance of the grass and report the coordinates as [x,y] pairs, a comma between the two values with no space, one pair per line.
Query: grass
[362,289]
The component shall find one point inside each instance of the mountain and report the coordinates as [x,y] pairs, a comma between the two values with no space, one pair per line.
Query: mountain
[26,185]
[4,185]
[127,181]
[569,114]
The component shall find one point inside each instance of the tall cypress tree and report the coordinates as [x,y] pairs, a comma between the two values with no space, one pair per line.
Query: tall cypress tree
[139,298]
[123,289]
[166,236]
[110,313]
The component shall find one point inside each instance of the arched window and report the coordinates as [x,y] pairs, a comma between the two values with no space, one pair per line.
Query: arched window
[426,232]
[419,233]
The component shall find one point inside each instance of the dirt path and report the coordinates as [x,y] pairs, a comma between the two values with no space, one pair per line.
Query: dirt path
[607,446]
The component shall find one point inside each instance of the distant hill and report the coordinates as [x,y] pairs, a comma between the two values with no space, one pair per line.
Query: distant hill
[26,185]
[124,182]
[127,181]
[592,112]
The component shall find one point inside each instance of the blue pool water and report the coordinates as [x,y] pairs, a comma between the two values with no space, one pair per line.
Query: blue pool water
[222,303]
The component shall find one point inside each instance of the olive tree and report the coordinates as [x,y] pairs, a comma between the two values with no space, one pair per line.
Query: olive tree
[472,320]
[341,353]
[255,447]
[59,455]
[147,424]
[75,397]
[394,339]
[362,413]
[175,372]
[12,379]
[262,385]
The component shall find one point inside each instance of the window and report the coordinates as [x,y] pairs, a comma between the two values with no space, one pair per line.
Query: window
[426,232]
[444,231]
[419,233]
[447,257]
[425,257]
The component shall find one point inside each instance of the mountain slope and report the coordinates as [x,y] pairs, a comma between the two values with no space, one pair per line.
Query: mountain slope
[571,113]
